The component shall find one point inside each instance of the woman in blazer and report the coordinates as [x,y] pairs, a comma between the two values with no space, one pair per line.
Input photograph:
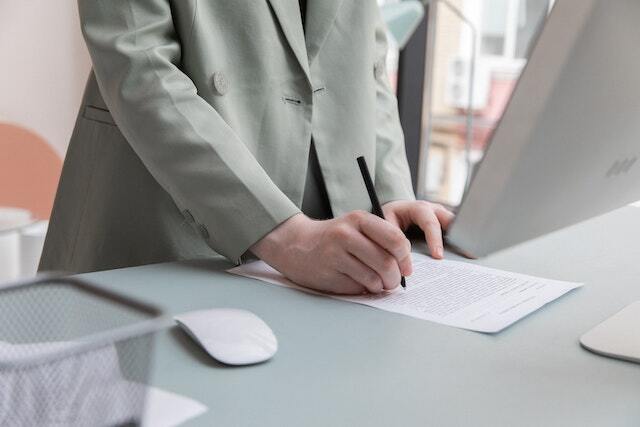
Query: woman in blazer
[229,126]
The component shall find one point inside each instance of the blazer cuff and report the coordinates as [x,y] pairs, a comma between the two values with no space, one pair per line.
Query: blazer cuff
[260,223]
[395,190]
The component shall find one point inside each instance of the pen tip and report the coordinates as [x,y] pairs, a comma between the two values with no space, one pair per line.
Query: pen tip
[403,283]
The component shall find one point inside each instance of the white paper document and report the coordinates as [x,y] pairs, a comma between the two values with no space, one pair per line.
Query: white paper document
[452,293]
[166,409]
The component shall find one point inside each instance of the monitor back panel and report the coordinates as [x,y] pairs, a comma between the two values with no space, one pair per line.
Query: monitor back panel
[568,145]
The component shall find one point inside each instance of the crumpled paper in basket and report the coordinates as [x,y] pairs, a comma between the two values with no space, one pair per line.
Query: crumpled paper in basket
[77,390]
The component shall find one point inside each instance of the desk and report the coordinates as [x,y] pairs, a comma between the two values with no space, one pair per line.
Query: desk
[342,364]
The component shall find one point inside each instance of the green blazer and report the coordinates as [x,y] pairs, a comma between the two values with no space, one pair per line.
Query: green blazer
[193,135]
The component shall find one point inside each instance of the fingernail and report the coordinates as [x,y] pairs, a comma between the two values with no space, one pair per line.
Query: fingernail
[439,252]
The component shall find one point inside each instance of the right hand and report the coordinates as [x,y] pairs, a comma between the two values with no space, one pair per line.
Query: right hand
[352,254]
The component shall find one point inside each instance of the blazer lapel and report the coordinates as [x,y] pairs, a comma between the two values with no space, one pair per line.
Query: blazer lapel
[288,13]
[320,17]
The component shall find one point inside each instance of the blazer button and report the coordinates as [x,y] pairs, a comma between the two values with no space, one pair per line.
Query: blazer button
[378,69]
[203,231]
[220,83]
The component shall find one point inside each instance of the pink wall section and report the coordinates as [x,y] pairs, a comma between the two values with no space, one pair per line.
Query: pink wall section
[29,171]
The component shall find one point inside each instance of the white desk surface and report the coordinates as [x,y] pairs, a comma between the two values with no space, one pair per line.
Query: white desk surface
[341,364]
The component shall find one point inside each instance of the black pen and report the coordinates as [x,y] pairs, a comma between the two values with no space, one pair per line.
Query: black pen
[375,203]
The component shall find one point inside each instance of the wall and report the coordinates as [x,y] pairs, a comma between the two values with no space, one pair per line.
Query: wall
[43,67]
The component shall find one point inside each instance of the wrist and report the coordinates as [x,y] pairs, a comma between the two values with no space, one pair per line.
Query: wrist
[273,244]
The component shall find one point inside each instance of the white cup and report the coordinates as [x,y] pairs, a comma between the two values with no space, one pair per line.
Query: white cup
[31,243]
[11,222]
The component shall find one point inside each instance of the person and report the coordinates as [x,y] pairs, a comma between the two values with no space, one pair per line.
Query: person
[232,127]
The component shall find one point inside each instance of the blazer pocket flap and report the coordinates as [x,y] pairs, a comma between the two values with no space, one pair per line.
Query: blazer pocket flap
[98,114]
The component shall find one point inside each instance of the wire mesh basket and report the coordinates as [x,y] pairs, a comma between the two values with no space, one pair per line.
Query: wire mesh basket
[73,354]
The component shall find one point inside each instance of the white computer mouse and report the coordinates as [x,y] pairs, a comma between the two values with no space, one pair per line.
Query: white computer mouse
[229,335]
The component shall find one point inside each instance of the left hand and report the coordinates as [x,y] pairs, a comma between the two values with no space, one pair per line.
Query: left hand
[432,218]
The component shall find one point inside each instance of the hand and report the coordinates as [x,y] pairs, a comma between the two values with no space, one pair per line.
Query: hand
[355,253]
[432,218]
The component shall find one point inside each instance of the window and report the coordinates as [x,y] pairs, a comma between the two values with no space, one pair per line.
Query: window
[504,31]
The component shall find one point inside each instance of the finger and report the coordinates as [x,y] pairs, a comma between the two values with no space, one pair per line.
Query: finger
[393,214]
[375,258]
[361,273]
[390,238]
[444,215]
[345,285]
[428,222]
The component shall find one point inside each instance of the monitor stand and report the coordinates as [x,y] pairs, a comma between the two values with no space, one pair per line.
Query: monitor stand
[618,336]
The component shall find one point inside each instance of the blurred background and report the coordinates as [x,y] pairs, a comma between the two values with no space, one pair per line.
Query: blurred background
[463,60]
[44,69]
[453,64]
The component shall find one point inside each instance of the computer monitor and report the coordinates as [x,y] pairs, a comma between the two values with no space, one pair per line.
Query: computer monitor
[568,145]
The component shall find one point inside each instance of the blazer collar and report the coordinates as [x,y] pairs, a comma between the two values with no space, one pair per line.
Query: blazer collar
[319,19]
[288,13]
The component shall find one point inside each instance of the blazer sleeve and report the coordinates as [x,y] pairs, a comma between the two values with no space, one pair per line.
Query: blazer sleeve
[392,175]
[181,139]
